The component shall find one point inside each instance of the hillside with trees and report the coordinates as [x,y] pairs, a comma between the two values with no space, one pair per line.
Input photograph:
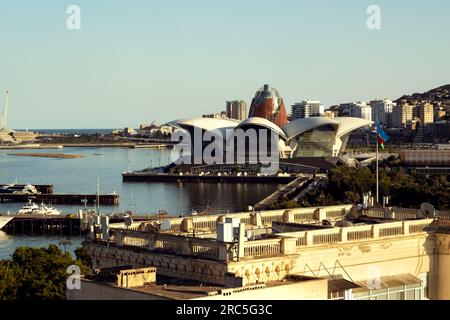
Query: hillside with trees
[348,185]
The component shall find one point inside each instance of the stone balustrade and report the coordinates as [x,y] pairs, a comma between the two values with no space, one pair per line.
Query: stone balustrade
[262,248]
[378,213]
[360,233]
[444,222]
[406,214]
[206,248]
[187,224]
[286,243]
[326,236]
[390,229]
[283,244]
[394,213]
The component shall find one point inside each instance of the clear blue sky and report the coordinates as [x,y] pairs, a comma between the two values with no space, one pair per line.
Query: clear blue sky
[137,61]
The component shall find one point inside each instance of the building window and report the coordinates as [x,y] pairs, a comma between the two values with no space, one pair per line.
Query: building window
[408,292]
[336,295]
[318,142]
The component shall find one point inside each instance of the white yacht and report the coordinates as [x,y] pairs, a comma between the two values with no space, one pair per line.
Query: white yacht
[33,209]
[30,189]
[16,189]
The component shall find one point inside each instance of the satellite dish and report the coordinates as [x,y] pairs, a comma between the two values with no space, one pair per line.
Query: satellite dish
[326,223]
[165,225]
[427,210]
[128,222]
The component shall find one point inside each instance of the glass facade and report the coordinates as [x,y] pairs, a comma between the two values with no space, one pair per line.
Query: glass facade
[401,287]
[406,292]
[317,142]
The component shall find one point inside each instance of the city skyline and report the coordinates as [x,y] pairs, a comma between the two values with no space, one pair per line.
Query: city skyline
[127,61]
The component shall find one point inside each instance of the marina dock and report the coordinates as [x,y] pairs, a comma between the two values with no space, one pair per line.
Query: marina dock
[64,199]
[68,225]
[150,177]
[44,225]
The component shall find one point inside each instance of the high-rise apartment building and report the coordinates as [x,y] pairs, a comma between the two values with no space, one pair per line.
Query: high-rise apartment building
[401,115]
[306,109]
[425,112]
[365,112]
[237,110]
[357,110]
[382,111]
[220,115]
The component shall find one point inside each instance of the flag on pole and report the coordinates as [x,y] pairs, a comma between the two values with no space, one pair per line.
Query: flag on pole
[382,136]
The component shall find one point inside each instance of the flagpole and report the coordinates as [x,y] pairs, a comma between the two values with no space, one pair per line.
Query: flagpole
[382,137]
[378,186]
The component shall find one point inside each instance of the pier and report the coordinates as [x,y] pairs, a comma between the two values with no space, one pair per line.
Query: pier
[64,224]
[152,146]
[153,177]
[287,191]
[64,199]
[44,225]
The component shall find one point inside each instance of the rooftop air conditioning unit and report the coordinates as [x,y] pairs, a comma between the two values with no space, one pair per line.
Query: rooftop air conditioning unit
[225,232]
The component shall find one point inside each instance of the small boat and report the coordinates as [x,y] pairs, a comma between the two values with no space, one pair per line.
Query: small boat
[120,215]
[33,209]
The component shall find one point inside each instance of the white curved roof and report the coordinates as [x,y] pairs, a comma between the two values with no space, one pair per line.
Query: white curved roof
[297,127]
[348,124]
[207,124]
[343,125]
[261,122]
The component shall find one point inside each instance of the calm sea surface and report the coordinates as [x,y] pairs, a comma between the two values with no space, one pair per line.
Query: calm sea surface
[106,164]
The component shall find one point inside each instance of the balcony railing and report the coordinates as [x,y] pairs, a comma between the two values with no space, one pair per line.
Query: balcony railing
[209,222]
[262,248]
[361,233]
[206,248]
[216,250]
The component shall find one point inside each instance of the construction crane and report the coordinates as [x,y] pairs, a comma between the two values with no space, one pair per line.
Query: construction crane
[4,121]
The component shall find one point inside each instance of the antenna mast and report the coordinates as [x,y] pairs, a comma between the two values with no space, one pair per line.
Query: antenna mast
[98,195]
[4,122]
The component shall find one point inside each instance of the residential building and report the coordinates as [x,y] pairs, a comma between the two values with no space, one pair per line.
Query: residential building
[425,112]
[306,109]
[401,115]
[220,115]
[426,158]
[382,111]
[236,110]
[357,110]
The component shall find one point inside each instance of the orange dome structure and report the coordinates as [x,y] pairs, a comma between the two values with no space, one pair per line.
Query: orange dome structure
[269,105]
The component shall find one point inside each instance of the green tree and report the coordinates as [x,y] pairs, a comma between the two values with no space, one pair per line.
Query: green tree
[9,281]
[36,273]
